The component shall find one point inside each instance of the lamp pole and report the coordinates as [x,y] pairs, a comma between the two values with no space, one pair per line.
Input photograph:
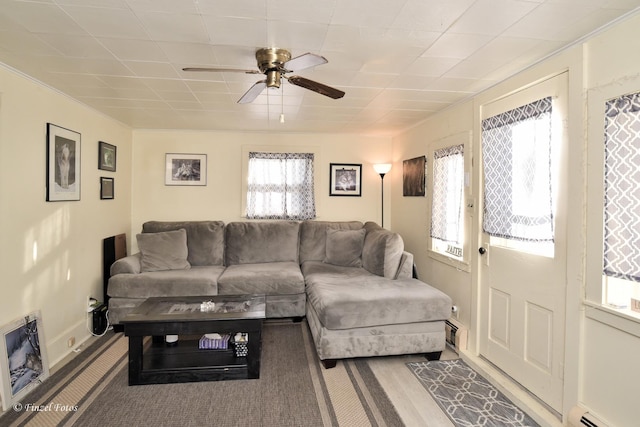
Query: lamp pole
[382,196]
[382,169]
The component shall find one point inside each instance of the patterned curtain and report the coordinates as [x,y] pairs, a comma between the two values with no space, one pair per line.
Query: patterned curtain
[622,188]
[280,186]
[448,182]
[516,151]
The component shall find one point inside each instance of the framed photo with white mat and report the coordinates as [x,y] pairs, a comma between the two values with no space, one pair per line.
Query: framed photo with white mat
[23,358]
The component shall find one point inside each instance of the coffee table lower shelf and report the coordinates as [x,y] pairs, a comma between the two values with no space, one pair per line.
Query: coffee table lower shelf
[185,362]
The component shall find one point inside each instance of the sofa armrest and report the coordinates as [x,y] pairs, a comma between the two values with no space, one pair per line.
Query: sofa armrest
[405,270]
[129,264]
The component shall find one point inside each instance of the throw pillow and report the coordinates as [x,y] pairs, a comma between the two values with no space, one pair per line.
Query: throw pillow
[163,251]
[344,247]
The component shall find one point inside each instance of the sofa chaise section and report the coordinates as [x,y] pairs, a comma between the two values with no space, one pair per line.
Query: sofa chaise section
[374,307]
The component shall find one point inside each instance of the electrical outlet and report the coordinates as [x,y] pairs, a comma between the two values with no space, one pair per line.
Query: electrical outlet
[71,342]
[91,303]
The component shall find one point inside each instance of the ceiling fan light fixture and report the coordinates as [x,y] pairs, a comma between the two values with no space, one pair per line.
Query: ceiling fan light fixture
[273,78]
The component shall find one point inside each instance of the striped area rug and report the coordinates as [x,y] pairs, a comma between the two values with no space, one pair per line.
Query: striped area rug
[293,390]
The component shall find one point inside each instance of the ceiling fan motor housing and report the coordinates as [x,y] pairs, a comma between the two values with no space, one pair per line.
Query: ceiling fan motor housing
[272,58]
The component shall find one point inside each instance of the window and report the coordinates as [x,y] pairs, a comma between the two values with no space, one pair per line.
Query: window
[280,186]
[517,166]
[621,248]
[447,214]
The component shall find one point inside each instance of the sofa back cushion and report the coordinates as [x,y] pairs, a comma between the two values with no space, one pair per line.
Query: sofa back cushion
[259,242]
[344,247]
[205,239]
[313,237]
[163,251]
[382,251]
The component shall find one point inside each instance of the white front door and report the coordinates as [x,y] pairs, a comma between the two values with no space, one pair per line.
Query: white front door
[522,281]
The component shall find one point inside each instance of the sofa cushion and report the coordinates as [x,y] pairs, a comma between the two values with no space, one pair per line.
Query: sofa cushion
[344,247]
[163,251]
[205,239]
[382,252]
[366,301]
[311,268]
[313,237]
[261,242]
[199,280]
[265,278]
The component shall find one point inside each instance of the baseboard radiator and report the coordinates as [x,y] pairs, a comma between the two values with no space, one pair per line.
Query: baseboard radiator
[456,335]
[580,417]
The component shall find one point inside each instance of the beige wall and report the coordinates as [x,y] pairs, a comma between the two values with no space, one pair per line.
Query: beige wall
[68,235]
[221,198]
[594,339]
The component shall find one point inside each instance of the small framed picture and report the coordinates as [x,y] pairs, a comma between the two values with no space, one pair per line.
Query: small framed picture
[345,179]
[185,169]
[106,156]
[23,358]
[413,176]
[106,188]
[63,164]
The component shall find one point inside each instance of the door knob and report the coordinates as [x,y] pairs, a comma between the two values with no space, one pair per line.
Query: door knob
[482,251]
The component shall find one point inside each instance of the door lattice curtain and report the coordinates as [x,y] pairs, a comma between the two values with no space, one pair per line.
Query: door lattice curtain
[516,151]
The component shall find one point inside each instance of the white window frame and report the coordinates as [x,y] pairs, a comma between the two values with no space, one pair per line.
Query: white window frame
[464,139]
[246,149]
[595,291]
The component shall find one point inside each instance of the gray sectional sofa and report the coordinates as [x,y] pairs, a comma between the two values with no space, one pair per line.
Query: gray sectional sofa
[352,281]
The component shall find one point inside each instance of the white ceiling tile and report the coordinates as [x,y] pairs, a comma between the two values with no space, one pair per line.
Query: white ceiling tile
[188,53]
[117,4]
[308,11]
[174,27]
[152,69]
[20,41]
[41,18]
[102,22]
[296,36]
[172,6]
[138,50]
[236,31]
[376,13]
[456,45]
[430,15]
[492,17]
[256,9]
[546,21]
[166,84]
[76,46]
[431,66]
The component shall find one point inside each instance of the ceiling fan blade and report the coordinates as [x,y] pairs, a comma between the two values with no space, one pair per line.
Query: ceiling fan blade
[253,92]
[316,87]
[304,61]
[221,70]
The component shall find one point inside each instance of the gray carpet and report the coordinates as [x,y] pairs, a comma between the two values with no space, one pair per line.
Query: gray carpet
[293,390]
[466,397]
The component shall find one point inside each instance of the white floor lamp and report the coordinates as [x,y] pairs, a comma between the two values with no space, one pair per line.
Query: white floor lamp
[382,169]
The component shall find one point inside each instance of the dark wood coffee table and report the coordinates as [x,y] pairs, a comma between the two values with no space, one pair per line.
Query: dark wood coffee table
[159,363]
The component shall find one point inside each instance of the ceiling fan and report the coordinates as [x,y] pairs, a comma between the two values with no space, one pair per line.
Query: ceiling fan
[274,64]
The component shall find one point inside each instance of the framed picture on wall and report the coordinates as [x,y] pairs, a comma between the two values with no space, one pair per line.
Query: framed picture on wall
[345,179]
[23,358]
[413,176]
[106,156]
[106,188]
[185,169]
[63,164]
